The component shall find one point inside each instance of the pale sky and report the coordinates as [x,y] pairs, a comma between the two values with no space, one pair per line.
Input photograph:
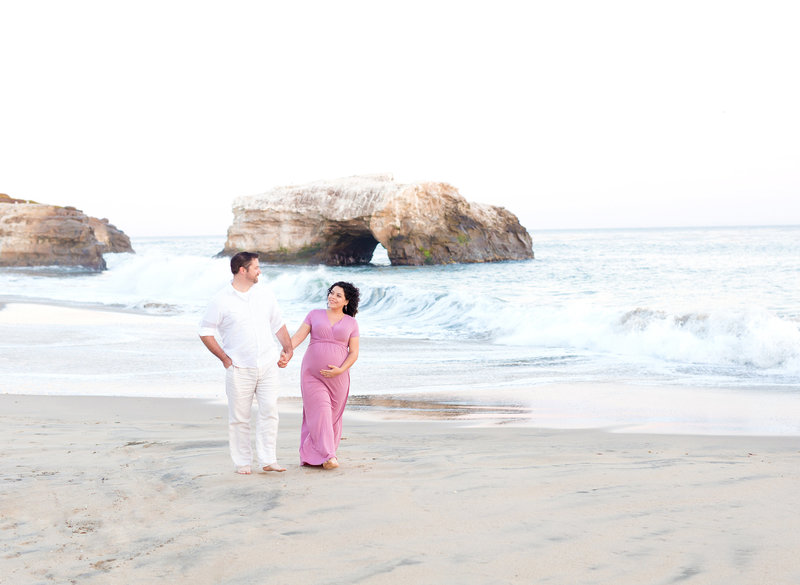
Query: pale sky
[157,114]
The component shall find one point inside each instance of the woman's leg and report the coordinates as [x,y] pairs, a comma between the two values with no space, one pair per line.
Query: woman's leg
[316,434]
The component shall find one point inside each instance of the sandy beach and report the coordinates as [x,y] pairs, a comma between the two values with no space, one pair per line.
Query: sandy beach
[134,490]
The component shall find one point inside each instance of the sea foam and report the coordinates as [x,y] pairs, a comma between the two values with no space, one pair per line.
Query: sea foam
[592,304]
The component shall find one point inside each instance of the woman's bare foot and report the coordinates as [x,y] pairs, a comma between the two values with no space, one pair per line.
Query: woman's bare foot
[274,467]
[331,463]
[243,470]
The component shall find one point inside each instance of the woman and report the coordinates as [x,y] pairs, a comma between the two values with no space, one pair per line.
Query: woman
[324,376]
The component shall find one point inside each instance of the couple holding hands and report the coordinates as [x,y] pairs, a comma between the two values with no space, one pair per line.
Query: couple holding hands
[240,327]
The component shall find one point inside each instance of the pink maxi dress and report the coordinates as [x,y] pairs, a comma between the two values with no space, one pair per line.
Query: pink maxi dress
[324,399]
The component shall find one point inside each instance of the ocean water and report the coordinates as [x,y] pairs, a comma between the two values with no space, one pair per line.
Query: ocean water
[715,308]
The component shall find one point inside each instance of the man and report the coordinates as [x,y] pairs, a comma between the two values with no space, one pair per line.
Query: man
[239,327]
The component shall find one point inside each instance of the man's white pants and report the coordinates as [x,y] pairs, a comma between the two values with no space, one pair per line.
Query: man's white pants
[241,385]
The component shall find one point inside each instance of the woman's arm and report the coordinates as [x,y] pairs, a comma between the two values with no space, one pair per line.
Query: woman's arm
[296,339]
[300,335]
[352,356]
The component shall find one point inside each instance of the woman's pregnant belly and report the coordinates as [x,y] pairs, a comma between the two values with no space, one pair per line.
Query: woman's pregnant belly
[320,355]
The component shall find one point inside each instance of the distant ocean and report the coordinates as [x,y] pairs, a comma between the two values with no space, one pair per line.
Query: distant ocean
[683,307]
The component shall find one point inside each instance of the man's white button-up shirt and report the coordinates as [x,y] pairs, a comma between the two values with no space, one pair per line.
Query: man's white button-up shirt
[245,324]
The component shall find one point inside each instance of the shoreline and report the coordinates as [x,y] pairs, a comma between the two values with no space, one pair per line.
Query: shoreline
[723,413]
[135,490]
[58,350]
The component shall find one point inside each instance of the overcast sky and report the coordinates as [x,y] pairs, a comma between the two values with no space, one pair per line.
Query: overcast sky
[157,114]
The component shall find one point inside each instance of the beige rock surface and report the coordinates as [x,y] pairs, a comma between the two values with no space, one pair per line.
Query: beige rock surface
[341,222]
[35,234]
[112,238]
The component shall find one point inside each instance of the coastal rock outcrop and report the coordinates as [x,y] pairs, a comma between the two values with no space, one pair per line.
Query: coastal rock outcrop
[341,222]
[35,234]
[113,239]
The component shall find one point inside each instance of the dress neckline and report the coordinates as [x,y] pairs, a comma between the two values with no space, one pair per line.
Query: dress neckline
[329,320]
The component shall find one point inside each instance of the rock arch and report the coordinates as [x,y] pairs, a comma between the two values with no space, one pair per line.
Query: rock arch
[346,247]
[341,223]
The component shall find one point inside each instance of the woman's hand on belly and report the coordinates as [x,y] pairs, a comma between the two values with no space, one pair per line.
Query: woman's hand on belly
[331,372]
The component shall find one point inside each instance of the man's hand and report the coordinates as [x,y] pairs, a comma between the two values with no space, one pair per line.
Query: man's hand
[288,349]
[284,359]
[211,343]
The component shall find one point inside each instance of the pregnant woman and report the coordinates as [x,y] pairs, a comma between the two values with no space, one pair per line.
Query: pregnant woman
[324,375]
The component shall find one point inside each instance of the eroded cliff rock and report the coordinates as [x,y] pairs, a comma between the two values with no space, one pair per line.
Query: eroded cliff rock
[341,222]
[35,234]
[110,237]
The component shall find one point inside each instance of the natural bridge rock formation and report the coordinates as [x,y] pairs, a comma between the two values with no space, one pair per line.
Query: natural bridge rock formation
[33,234]
[341,222]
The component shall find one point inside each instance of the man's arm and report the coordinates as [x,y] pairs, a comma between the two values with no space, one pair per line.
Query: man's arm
[283,336]
[213,346]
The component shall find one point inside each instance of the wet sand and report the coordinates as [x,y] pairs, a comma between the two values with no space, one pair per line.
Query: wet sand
[136,490]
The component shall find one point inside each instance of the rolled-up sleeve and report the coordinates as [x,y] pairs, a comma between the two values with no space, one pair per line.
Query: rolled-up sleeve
[210,321]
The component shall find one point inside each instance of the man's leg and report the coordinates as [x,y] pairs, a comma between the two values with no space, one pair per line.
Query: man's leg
[267,422]
[240,385]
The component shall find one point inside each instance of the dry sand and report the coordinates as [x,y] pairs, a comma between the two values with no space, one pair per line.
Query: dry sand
[130,491]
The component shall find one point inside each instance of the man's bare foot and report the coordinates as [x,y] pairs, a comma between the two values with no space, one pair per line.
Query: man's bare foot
[243,470]
[274,467]
[331,463]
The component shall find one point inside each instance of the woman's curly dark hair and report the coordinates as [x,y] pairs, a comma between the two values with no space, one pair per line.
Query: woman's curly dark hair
[351,294]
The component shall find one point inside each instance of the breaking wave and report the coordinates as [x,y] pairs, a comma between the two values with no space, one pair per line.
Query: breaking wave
[489,304]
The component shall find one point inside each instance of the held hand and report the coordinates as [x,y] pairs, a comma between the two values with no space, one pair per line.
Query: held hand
[332,372]
[284,360]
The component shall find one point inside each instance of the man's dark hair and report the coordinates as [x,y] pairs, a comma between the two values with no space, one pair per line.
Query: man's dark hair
[242,259]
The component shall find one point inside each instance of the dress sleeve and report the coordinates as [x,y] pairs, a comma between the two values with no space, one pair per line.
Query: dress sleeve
[354,330]
[307,320]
